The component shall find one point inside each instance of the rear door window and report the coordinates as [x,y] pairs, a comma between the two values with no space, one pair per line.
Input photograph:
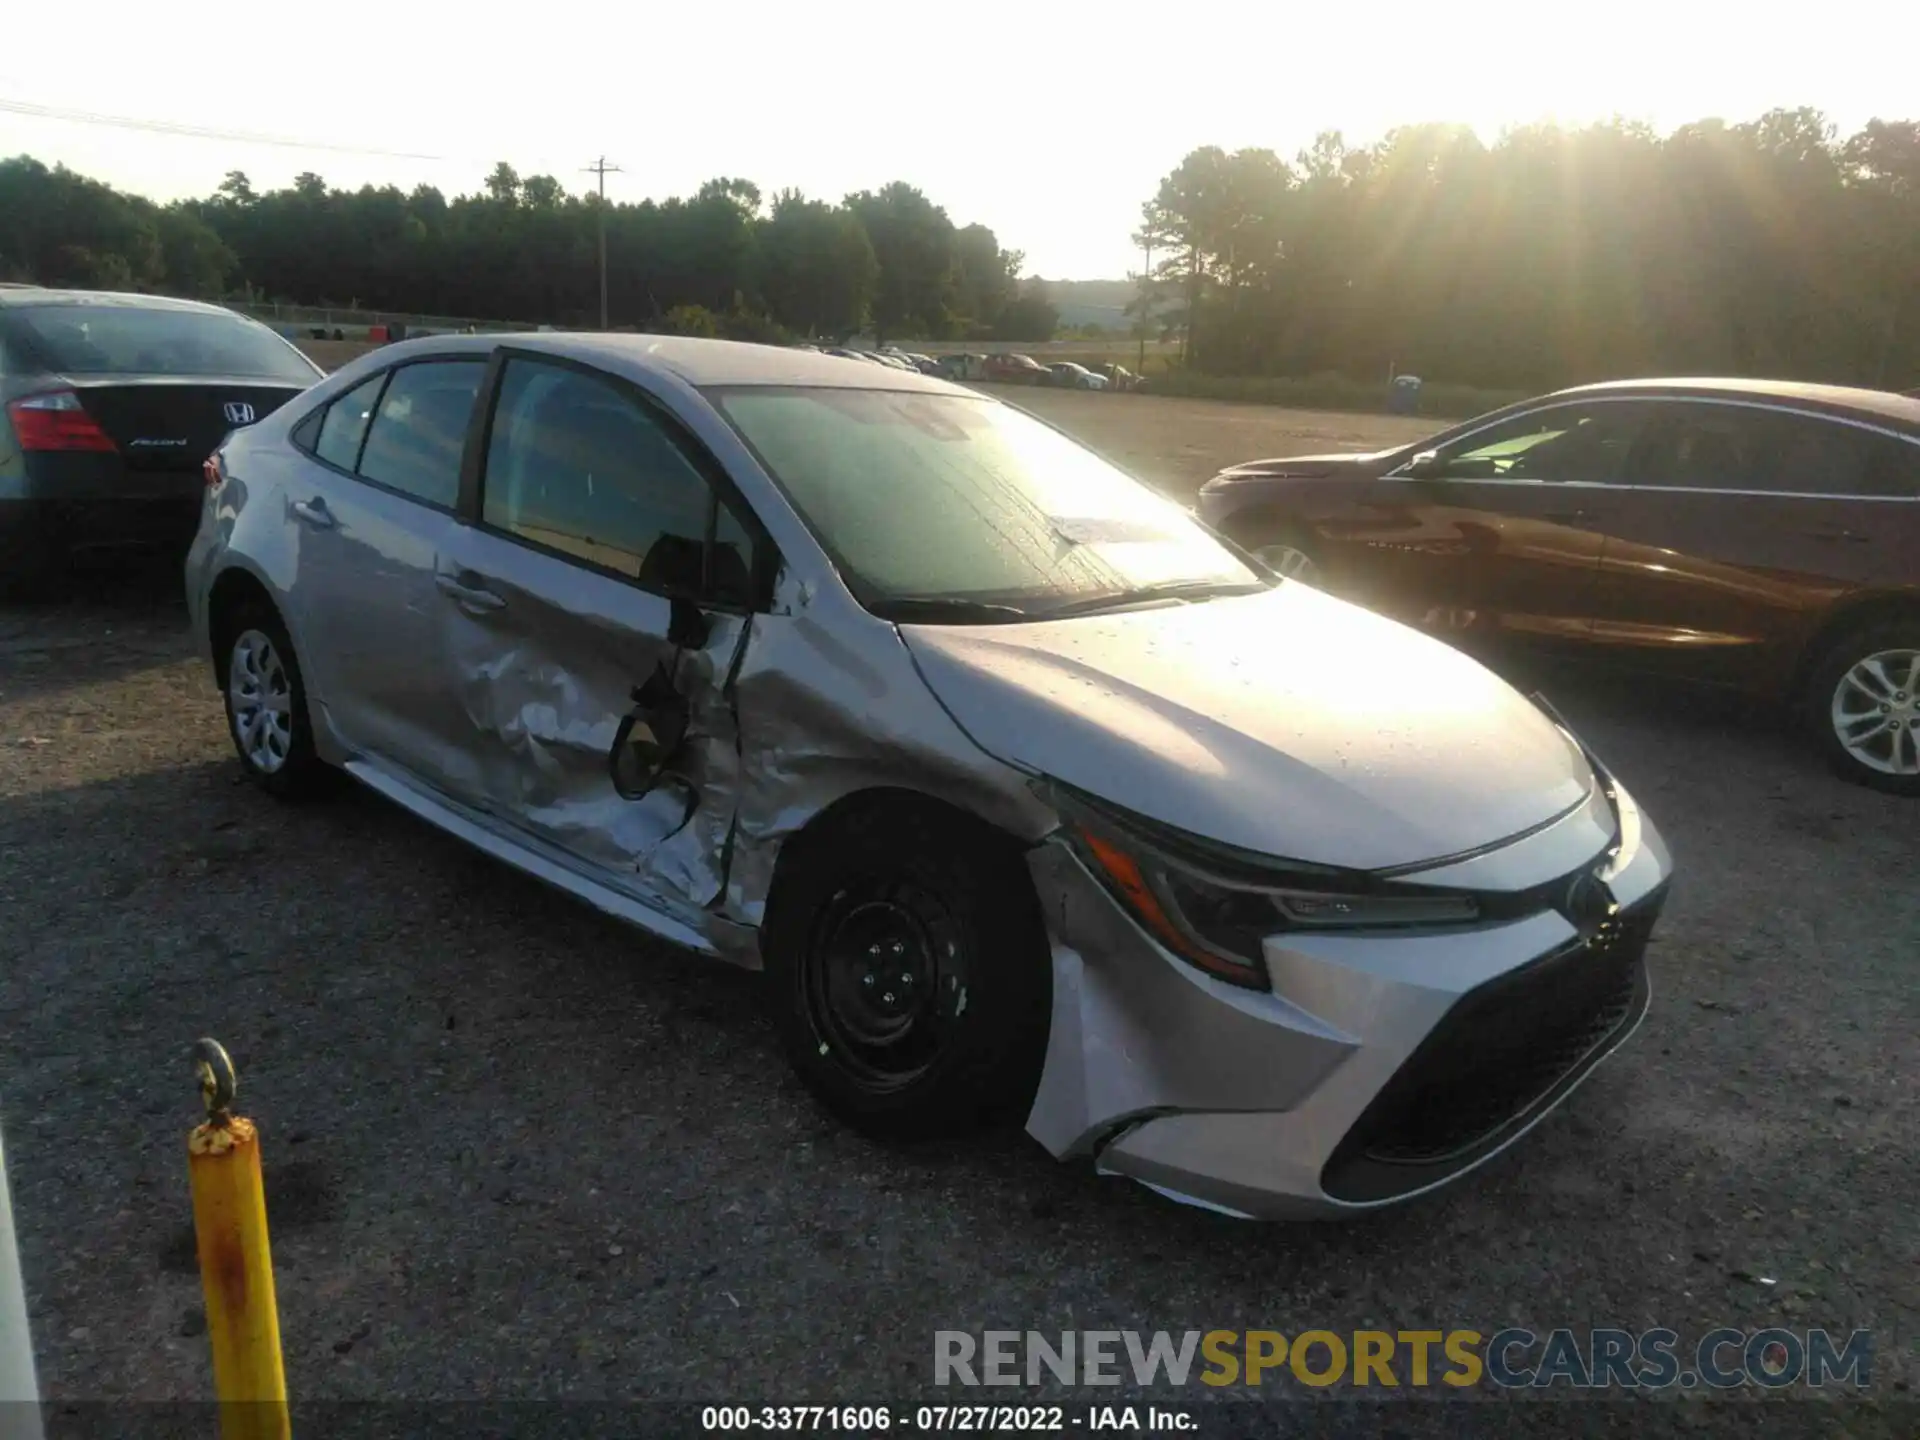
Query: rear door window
[415,440]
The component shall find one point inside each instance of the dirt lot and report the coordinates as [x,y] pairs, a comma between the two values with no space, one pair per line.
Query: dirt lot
[517,1152]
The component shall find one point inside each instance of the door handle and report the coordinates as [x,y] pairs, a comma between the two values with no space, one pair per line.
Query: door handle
[472,597]
[314,512]
[1851,537]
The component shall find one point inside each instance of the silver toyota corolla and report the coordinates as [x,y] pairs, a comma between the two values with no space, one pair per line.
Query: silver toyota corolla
[1031,797]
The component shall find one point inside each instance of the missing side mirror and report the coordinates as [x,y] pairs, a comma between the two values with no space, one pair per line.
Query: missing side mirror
[687,625]
[649,738]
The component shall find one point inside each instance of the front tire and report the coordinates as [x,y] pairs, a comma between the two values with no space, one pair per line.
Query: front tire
[1862,705]
[266,703]
[1282,550]
[909,970]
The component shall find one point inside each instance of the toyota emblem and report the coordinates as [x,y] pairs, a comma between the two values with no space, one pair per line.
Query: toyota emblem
[239,412]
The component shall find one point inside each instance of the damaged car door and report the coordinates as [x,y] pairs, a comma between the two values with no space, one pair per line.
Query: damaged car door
[595,610]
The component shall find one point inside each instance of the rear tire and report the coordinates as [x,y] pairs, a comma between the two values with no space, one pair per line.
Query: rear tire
[909,970]
[266,703]
[1862,705]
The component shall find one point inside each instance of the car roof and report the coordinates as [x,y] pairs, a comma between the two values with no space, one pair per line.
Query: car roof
[1848,399]
[37,297]
[700,363]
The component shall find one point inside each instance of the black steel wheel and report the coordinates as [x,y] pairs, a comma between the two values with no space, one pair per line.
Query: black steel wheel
[910,973]
[885,980]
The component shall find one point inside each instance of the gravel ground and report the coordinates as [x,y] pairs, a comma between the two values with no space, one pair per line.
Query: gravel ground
[517,1152]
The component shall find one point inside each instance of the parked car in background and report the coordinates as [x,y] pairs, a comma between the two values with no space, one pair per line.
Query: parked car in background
[112,404]
[1009,369]
[1752,534]
[1069,376]
[961,367]
[908,359]
[1118,376]
[870,357]
[902,696]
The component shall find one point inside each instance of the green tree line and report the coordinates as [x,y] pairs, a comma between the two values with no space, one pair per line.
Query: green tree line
[1552,256]
[725,260]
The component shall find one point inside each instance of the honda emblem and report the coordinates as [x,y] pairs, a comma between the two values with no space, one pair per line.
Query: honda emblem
[239,413]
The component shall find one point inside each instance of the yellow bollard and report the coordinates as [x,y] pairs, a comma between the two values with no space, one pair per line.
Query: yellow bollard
[236,1269]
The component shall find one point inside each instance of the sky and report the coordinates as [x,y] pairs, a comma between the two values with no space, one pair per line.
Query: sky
[1050,121]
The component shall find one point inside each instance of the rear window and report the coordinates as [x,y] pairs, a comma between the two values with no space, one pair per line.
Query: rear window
[345,425]
[126,340]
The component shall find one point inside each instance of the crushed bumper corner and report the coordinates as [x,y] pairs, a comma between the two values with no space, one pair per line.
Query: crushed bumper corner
[1380,1068]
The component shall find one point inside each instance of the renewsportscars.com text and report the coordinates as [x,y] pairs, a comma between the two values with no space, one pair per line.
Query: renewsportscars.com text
[1599,1358]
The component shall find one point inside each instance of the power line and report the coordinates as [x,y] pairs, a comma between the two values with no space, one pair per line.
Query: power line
[198,132]
[602,169]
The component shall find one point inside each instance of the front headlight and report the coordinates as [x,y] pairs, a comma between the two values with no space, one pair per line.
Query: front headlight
[1218,921]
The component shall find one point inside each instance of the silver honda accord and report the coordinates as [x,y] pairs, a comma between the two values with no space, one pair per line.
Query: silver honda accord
[1033,799]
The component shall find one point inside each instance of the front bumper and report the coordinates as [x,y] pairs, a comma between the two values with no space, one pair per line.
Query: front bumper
[1379,1067]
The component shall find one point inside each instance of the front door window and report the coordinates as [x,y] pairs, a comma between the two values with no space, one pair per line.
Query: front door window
[577,466]
[1568,444]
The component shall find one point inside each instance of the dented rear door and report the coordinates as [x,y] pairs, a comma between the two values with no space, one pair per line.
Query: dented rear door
[587,575]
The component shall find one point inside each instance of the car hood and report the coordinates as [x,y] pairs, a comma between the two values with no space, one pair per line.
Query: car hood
[1375,462]
[1288,723]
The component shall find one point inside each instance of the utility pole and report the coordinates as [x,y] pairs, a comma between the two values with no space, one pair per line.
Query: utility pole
[1146,299]
[602,169]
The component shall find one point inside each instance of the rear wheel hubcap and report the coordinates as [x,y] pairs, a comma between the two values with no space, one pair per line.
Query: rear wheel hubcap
[261,699]
[1875,712]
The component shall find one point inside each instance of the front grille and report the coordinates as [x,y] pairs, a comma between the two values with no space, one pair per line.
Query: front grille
[1499,1055]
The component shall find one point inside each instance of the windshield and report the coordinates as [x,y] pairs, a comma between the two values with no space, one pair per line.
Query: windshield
[127,340]
[945,500]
